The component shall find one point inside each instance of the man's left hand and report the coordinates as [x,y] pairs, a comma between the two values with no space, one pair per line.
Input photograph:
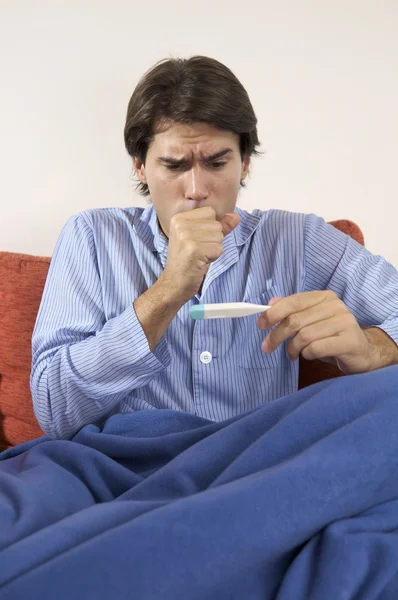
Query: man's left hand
[320,326]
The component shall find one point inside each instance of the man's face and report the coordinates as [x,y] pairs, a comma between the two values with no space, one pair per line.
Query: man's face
[189,166]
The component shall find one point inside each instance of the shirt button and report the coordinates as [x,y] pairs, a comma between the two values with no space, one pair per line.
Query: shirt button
[205,357]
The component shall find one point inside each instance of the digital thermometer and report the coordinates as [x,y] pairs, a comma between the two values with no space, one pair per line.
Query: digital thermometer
[226,310]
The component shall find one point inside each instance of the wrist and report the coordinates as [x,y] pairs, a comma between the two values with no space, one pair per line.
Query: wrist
[155,309]
[172,292]
[383,351]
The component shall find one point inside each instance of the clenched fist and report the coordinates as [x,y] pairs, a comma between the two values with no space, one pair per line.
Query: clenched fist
[195,241]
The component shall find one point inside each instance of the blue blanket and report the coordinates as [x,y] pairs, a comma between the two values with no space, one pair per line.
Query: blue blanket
[295,500]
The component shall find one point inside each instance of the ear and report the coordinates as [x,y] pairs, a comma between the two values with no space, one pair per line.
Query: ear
[139,169]
[245,167]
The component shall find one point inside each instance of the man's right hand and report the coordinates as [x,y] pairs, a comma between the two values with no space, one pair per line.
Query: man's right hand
[195,241]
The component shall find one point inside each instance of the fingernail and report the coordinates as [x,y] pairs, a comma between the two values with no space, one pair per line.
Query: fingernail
[265,346]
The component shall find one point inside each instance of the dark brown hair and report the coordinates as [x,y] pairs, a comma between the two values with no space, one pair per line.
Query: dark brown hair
[193,90]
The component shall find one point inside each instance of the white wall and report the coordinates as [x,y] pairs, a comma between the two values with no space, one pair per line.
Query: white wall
[322,76]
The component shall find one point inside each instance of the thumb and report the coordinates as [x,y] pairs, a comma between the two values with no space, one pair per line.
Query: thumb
[274,300]
[229,222]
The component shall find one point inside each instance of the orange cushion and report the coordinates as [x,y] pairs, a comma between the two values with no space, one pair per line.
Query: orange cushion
[22,280]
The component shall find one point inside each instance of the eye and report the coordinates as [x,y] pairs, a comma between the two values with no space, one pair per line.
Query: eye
[173,167]
[217,164]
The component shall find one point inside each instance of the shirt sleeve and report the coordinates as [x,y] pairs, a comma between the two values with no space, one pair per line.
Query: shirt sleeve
[83,365]
[367,284]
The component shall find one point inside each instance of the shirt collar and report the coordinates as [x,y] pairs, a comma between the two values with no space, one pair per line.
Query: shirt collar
[247,226]
[149,231]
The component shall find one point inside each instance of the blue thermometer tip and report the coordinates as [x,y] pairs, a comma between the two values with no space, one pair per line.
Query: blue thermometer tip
[197,312]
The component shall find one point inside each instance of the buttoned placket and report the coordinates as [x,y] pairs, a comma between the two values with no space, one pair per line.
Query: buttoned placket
[203,354]
[203,346]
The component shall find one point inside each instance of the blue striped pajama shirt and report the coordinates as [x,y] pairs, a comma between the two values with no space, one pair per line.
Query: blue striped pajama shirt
[90,356]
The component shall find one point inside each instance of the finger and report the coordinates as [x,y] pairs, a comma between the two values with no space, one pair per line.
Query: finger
[297,303]
[322,330]
[301,327]
[296,321]
[202,224]
[228,222]
[261,321]
[333,347]
[202,235]
[204,212]
[211,251]
[205,254]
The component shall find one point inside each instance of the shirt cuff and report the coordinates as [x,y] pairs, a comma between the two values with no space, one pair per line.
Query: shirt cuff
[390,327]
[134,338]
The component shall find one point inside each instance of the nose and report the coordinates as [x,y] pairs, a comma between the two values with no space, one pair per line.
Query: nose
[196,186]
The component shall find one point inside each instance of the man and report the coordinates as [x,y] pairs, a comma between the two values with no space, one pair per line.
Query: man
[113,333]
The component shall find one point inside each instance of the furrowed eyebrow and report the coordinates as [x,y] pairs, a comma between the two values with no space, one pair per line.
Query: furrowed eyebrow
[182,161]
[172,161]
[218,154]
